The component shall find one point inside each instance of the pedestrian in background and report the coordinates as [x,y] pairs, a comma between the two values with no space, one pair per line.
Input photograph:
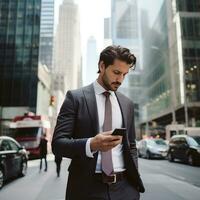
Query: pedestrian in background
[103,166]
[58,160]
[43,151]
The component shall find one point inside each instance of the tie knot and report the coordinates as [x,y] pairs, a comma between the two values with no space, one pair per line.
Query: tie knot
[106,94]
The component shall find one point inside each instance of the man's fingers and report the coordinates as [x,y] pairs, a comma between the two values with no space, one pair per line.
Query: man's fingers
[105,141]
[107,133]
[112,137]
[116,142]
[111,144]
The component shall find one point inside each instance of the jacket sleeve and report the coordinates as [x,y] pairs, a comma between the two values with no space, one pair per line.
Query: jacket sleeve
[131,137]
[63,143]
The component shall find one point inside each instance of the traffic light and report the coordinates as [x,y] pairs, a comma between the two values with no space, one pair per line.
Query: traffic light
[52,101]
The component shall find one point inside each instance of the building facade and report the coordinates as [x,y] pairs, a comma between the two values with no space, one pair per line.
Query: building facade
[91,61]
[172,60]
[19,50]
[19,55]
[46,33]
[125,32]
[67,67]
[184,21]
[107,32]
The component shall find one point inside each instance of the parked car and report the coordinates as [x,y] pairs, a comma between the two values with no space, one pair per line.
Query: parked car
[185,148]
[136,143]
[152,148]
[13,159]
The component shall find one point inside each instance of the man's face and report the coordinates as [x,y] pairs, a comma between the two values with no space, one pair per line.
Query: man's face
[113,76]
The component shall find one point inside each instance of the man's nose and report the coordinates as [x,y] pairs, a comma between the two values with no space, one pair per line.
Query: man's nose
[120,78]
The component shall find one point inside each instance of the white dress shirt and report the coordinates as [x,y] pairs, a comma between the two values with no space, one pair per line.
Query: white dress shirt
[117,154]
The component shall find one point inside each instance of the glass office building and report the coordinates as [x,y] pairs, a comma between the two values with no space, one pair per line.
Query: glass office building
[172,65]
[46,33]
[184,41]
[156,76]
[188,19]
[125,32]
[19,50]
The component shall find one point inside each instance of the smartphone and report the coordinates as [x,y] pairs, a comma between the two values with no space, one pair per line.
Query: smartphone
[119,131]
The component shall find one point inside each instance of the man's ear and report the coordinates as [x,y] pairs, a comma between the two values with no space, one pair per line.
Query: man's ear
[101,66]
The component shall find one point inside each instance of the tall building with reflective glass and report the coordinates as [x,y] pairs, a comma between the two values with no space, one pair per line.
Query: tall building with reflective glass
[172,65]
[125,32]
[184,42]
[24,82]
[46,33]
[91,61]
[19,50]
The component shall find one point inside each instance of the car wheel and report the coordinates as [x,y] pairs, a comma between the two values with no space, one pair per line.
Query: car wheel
[170,157]
[191,159]
[23,168]
[1,178]
[148,155]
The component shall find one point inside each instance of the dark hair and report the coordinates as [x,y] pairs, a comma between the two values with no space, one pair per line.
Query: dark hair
[110,53]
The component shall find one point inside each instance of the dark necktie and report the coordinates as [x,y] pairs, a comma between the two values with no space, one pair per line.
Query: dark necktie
[106,157]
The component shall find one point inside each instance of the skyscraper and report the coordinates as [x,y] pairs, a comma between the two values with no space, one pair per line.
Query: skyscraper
[184,37]
[19,50]
[92,61]
[21,79]
[107,32]
[67,47]
[125,32]
[172,72]
[46,33]
[156,74]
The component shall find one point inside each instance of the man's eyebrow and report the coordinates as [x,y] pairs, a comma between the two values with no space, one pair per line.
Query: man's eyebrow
[116,70]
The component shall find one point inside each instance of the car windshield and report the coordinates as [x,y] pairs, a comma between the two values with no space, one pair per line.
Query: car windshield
[157,142]
[194,140]
[27,132]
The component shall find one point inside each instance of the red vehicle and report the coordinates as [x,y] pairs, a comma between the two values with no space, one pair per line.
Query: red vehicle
[28,130]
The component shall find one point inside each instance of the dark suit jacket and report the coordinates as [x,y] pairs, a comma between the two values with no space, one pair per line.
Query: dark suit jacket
[78,121]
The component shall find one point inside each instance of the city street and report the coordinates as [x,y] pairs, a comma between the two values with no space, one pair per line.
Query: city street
[163,181]
[37,186]
[169,181]
[72,70]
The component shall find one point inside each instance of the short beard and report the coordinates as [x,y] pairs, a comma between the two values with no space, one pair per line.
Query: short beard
[106,82]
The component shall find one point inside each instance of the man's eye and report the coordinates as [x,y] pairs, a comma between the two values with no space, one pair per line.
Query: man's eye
[116,72]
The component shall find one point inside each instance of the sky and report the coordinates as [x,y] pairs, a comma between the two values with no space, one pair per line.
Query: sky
[92,13]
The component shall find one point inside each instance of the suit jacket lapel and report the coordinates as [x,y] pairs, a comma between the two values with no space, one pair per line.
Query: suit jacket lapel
[123,108]
[92,106]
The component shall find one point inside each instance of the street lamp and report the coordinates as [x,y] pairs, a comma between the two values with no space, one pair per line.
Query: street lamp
[185,103]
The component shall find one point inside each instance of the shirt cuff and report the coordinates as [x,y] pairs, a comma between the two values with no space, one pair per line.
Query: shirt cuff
[89,153]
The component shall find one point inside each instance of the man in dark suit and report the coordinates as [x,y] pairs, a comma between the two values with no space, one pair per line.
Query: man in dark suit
[103,166]
[43,151]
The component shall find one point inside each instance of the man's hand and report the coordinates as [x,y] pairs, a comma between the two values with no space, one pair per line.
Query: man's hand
[105,141]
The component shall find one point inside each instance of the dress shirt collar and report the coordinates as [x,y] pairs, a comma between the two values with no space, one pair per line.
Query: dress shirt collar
[98,89]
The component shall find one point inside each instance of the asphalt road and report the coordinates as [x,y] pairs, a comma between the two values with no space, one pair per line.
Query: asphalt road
[163,181]
[37,185]
[169,181]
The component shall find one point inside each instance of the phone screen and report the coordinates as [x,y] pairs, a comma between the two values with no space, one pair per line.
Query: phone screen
[119,131]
